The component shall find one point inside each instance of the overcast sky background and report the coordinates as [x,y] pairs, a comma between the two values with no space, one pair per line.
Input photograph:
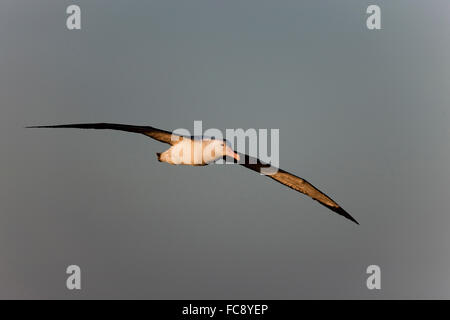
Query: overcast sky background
[364,115]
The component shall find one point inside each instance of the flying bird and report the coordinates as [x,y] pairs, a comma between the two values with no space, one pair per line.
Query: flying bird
[201,151]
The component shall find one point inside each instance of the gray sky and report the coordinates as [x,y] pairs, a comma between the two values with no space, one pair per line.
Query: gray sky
[362,114]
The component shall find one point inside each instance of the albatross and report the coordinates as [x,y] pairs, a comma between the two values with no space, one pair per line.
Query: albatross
[187,150]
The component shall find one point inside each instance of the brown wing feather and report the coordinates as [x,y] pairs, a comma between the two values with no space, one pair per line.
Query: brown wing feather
[297,184]
[157,134]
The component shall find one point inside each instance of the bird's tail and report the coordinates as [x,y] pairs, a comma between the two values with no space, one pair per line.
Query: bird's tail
[158,155]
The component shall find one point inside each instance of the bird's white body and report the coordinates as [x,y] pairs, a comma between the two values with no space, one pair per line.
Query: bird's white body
[194,152]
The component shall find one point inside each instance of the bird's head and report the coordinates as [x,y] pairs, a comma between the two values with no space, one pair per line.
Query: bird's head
[223,149]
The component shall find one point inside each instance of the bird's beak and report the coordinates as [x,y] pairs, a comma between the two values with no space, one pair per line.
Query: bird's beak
[233,154]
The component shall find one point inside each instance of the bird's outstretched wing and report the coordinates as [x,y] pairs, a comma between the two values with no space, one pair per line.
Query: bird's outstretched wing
[295,183]
[157,134]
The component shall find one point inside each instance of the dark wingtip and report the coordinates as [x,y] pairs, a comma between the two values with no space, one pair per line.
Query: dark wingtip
[345,214]
[33,127]
[341,212]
